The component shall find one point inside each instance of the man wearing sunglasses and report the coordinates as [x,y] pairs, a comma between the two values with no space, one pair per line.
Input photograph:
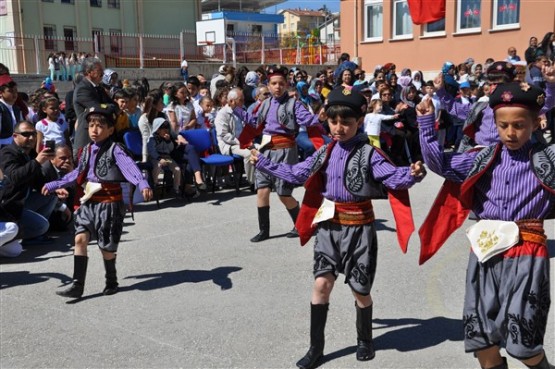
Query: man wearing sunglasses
[20,163]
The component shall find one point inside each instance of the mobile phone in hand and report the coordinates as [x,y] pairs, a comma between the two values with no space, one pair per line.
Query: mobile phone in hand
[50,145]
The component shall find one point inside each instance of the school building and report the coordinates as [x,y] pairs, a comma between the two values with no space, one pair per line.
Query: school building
[381,31]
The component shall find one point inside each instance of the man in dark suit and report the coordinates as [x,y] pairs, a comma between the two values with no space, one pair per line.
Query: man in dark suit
[88,93]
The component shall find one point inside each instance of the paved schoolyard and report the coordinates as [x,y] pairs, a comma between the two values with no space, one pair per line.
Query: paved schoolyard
[195,293]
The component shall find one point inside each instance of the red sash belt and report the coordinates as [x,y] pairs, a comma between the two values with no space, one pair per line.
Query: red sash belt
[353,213]
[110,192]
[531,230]
[282,142]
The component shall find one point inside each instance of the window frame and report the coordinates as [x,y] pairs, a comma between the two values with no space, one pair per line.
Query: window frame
[95,3]
[458,20]
[69,45]
[426,33]
[395,36]
[113,4]
[494,21]
[50,41]
[369,4]
[116,41]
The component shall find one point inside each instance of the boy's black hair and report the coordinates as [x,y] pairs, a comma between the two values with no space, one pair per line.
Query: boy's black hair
[342,111]
[120,94]
[194,81]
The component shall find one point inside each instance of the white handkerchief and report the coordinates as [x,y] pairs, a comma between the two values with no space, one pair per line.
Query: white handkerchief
[491,237]
[325,212]
[90,189]
[266,139]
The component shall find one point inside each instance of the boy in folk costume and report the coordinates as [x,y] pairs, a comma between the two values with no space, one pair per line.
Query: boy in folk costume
[510,186]
[341,179]
[278,119]
[103,164]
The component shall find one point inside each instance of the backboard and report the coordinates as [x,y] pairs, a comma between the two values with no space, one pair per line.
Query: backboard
[211,32]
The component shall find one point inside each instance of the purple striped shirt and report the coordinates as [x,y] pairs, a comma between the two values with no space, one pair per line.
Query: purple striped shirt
[126,164]
[508,191]
[391,176]
[273,127]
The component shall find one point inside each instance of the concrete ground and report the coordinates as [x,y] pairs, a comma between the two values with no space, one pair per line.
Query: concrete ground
[195,293]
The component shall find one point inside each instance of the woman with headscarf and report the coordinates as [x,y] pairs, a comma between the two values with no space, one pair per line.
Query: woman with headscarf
[251,83]
[409,99]
[302,90]
[315,90]
[417,79]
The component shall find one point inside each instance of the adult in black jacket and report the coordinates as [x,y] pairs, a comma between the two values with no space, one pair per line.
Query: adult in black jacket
[88,93]
[22,166]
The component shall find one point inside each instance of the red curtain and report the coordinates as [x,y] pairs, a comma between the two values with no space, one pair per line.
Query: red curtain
[426,11]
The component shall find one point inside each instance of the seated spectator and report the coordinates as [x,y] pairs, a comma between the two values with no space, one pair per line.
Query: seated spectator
[121,97]
[262,93]
[152,109]
[512,57]
[53,170]
[229,127]
[22,166]
[205,114]
[132,109]
[10,113]
[180,110]
[163,153]
[52,124]
[10,247]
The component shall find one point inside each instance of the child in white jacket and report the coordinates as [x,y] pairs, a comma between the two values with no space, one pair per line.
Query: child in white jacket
[373,121]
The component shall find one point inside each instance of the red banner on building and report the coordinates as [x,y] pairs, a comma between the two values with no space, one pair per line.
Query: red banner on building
[426,11]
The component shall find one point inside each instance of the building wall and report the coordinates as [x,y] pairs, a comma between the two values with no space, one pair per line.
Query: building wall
[428,53]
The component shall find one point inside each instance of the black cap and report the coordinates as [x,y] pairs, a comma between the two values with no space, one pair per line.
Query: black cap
[277,70]
[108,110]
[347,97]
[501,71]
[519,94]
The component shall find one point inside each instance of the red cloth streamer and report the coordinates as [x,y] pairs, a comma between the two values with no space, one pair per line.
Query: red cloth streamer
[426,11]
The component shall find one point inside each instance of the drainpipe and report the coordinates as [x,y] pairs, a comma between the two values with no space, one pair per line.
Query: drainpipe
[356,30]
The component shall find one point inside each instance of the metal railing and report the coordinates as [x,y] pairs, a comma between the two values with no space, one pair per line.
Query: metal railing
[29,53]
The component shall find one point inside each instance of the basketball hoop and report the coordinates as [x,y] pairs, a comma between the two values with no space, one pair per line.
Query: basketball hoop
[206,43]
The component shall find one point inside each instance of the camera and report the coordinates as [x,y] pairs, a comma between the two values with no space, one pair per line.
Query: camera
[50,145]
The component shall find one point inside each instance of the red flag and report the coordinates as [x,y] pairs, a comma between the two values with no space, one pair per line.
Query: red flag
[426,11]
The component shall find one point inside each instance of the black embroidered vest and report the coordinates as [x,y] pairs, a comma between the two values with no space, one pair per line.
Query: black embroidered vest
[358,179]
[285,113]
[105,167]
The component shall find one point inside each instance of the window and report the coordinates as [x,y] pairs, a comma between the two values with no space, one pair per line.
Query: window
[402,22]
[256,29]
[69,35]
[506,13]
[47,1]
[468,15]
[49,35]
[97,40]
[96,3]
[113,4]
[115,41]
[230,30]
[373,19]
[437,27]
[68,1]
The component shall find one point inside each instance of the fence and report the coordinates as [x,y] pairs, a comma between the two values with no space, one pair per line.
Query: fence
[29,54]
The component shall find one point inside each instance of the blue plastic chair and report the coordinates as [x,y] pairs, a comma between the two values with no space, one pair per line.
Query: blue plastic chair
[133,140]
[204,146]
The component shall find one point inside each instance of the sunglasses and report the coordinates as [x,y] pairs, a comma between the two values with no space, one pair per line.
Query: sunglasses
[26,134]
[266,94]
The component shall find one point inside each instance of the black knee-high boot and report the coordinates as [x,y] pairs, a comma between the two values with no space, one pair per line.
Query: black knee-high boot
[263,224]
[544,364]
[318,317]
[365,345]
[293,213]
[79,274]
[111,277]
